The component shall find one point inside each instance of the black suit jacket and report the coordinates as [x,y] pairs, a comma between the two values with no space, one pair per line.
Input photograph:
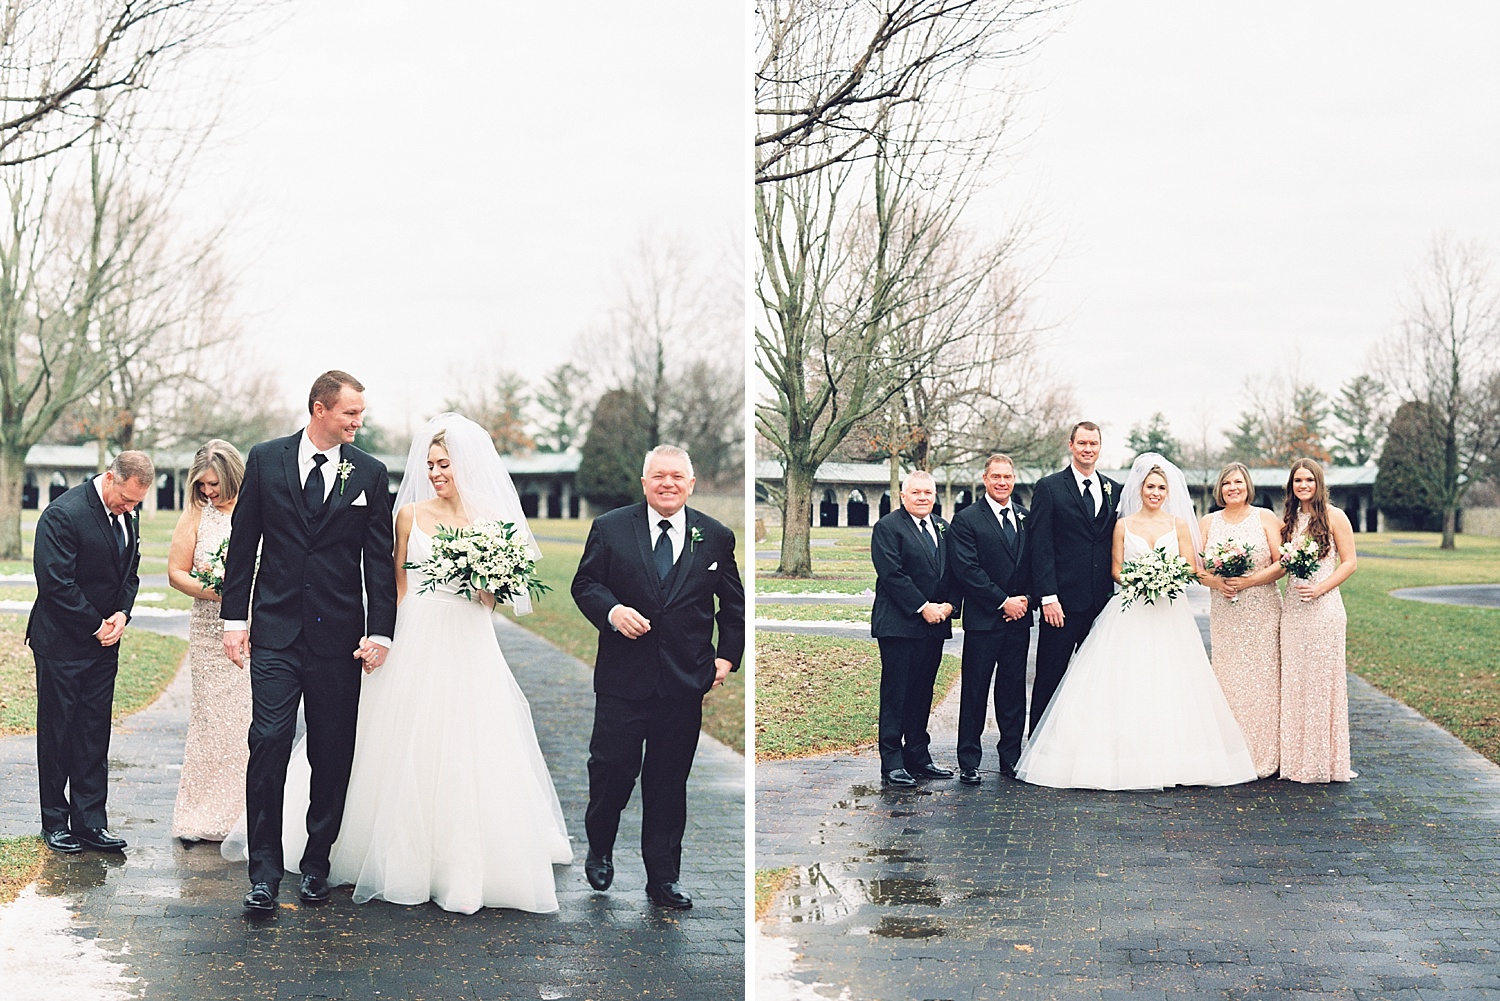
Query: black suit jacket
[987,568]
[677,654]
[309,580]
[908,574]
[1071,553]
[81,578]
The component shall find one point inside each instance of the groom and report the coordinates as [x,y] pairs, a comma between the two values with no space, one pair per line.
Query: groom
[319,510]
[1072,535]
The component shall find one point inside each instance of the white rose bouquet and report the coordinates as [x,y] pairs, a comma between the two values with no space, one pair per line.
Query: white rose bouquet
[489,556]
[1155,576]
[1231,558]
[1301,558]
[211,574]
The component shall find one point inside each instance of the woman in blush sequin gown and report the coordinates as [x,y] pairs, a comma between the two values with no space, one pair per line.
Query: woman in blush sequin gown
[1314,686]
[211,792]
[1245,616]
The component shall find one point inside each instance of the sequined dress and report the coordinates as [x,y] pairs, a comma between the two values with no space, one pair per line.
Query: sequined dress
[1314,687]
[211,792]
[1246,637]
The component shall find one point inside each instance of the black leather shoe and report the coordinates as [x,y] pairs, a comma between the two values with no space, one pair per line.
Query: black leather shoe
[262,898]
[99,839]
[968,776]
[62,841]
[1009,771]
[314,890]
[668,895]
[900,778]
[931,771]
[600,871]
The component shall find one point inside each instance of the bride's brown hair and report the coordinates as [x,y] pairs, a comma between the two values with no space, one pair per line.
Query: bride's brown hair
[1317,521]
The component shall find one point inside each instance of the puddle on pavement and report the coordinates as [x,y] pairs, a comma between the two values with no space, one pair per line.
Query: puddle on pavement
[68,874]
[825,894]
[894,927]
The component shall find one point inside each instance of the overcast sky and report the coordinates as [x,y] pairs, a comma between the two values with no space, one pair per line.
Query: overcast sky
[421,187]
[1229,187]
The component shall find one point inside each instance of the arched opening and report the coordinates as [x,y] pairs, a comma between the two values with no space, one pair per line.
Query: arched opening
[828,510]
[166,492]
[962,499]
[555,502]
[859,510]
[29,492]
[57,487]
[530,504]
[885,503]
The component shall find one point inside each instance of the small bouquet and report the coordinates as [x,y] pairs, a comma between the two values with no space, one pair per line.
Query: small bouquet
[1301,558]
[489,556]
[1155,576]
[1230,558]
[211,575]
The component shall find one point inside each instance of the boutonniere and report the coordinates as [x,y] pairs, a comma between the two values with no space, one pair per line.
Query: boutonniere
[344,469]
[942,527]
[1108,492]
[694,537]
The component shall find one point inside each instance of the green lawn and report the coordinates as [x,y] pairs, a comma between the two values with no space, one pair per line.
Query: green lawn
[20,864]
[847,614]
[768,883]
[842,568]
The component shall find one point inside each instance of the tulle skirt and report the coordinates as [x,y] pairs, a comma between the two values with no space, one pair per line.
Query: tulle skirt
[1139,708]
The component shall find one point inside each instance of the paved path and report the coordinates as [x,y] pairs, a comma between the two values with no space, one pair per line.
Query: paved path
[172,917]
[1387,887]
[1475,595]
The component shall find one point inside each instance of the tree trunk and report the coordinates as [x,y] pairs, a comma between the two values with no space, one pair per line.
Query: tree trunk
[796,552]
[1450,522]
[12,480]
[895,481]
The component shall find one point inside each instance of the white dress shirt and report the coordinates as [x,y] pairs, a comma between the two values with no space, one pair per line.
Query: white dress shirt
[997,507]
[118,519]
[676,535]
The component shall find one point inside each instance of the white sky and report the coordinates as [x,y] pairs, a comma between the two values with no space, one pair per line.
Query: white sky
[423,187]
[1229,187]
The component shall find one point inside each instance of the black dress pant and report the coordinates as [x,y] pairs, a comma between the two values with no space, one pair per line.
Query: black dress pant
[329,691]
[1054,648]
[999,654]
[908,670]
[74,699]
[654,738]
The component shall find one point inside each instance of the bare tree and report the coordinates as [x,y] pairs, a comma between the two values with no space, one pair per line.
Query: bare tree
[497,402]
[1446,357]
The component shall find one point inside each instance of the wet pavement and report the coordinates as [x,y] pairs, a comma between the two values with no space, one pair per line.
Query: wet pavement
[1387,887]
[1475,595]
[165,922]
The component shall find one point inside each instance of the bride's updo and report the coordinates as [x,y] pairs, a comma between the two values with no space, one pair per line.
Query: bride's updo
[440,439]
[1155,471]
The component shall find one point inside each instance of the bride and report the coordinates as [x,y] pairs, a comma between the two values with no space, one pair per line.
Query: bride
[1139,706]
[449,798]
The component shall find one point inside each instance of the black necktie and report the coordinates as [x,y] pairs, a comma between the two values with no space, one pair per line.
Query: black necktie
[1010,530]
[663,550]
[120,538]
[927,533]
[1088,499]
[312,490]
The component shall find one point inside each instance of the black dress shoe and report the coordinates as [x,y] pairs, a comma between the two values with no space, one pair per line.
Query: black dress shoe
[901,778]
[1009,771]
[600,871]
[99,839]
[62,841]
[668,895]
[261,898]
[314,890]
[968,776]
[931,771]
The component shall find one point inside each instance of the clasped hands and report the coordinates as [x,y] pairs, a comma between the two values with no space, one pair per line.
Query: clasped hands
[111,629]
[934,613]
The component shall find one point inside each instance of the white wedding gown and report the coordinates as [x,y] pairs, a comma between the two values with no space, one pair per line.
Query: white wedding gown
[1139,706]
[449,798]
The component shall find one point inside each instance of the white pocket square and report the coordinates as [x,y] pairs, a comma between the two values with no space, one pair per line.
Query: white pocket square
[359,501]
[714,565]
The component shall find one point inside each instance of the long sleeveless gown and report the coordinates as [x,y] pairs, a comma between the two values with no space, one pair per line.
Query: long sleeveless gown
[211,791]
[1314,685]
[1246,638]
[1139,707]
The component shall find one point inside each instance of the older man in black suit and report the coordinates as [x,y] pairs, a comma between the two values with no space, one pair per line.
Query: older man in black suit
[910,619]
[992,568]
[648,580]
[88,549]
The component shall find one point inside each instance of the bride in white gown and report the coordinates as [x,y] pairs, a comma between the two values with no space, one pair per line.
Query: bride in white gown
[449,798]
[1139,706]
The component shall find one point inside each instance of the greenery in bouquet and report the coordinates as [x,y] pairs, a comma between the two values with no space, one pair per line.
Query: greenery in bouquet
[211,574]
[1155,576]
[489,556]
[1301,558]
[1230,558]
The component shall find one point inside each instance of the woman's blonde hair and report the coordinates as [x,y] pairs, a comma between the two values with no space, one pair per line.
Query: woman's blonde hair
[1243,470]
[225,460]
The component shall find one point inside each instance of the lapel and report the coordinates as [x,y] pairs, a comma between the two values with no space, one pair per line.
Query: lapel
[685,561]
[925,546]
[643,541]
[293,480]
[337,498]
[999,533]
[106,528]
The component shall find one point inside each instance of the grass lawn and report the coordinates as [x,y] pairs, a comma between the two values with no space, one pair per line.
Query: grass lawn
[820,693]
[148,662]
[843,567]
[20,863]
[859,614]
[768,882]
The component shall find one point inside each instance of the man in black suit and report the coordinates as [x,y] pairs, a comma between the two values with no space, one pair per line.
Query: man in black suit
[992,568]
[910,620]
[647,580]
[1072,532]
[319,510]
[88,549]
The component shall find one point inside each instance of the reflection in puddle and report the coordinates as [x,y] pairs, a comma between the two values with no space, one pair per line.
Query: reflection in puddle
[825,894]
[894,927]
[70,873]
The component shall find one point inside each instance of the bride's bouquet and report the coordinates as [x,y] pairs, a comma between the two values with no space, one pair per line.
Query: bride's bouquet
[1230,558]
[1301,558]
[489,556]
[1155,576]
[211,574]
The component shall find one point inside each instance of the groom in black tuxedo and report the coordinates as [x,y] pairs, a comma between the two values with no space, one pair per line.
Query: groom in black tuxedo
[88,549]
[992,568]
[319,510]
[647,580]
[1072,535]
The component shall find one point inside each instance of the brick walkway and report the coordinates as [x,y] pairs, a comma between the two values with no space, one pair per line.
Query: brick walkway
[172,915]
[1387,887]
